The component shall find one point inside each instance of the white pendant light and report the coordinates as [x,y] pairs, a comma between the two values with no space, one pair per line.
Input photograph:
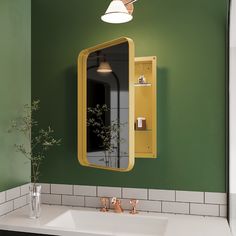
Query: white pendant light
[117,13]
[104,67]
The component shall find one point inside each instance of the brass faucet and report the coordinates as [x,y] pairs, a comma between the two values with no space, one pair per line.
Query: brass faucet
[117,205]
[133,203]
[104,202]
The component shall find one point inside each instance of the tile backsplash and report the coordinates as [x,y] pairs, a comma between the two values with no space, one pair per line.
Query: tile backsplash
[13,199]
[150,200]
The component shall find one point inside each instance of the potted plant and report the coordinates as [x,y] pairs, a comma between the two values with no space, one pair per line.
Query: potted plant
[38,142]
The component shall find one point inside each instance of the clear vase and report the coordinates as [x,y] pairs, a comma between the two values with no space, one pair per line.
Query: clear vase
[35,201]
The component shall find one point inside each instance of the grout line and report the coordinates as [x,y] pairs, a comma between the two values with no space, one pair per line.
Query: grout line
[12,200]
[189,202]
[199,203]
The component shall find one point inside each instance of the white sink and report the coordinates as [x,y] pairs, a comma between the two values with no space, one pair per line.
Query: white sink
[110,224]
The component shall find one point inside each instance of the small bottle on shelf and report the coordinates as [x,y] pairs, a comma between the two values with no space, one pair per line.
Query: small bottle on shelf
[141,123]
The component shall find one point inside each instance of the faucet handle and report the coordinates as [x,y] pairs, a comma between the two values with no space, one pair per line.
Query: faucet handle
[114,200]
[104,202]
[133,203]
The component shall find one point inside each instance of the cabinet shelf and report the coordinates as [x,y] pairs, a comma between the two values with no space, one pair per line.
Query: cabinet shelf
[143,130]
[142,84]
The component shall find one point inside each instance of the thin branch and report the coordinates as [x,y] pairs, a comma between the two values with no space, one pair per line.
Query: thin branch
[39,144]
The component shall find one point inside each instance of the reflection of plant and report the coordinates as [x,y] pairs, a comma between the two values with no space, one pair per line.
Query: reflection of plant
[37,144]
[108,134]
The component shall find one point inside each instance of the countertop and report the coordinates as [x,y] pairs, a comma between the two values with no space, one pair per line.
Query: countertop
[178,225]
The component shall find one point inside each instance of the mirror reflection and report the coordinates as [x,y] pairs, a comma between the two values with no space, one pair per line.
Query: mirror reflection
[108,106]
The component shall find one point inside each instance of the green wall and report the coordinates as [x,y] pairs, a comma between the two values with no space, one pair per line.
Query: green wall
[188,37]
[15,86]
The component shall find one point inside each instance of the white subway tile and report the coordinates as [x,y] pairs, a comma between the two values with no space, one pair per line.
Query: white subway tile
[62,189]
[51,199]
[125,203]
[204,209]
[2,197]
[144,205]
[12,193]
[6,207]
[109,192]
[137,193]
[72,200]
[24,189]
[84,190]
[175,207]
[45,188]
[27,198]
[223,210]
[216,198]
[92,202]
[190,196]
[165,195]
[20,202]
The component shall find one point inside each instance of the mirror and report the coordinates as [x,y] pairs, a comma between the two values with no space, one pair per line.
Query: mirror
[106,105]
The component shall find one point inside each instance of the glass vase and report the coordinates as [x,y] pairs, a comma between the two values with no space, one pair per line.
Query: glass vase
[35,201]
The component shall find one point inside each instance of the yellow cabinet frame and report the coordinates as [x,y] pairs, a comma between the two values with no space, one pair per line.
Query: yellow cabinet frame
[82,103]
[146,106]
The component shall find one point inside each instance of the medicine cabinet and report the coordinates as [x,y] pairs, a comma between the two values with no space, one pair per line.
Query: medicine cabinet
[116,106]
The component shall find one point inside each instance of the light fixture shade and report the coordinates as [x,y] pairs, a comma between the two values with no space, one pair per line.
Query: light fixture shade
[116,13]
[104,67]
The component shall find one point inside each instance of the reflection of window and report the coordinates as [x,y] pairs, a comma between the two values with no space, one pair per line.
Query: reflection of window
[97,93]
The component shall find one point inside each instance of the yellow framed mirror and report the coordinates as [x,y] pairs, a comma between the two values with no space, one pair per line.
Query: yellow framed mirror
[106,105]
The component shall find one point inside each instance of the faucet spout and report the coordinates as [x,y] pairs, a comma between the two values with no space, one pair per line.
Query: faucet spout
[104,202]
[117,205]
[133,203]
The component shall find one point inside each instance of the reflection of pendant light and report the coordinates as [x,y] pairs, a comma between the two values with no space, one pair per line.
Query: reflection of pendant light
[104,67]
[117,12]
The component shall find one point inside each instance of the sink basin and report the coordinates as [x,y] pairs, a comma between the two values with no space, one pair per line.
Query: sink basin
[110,224]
